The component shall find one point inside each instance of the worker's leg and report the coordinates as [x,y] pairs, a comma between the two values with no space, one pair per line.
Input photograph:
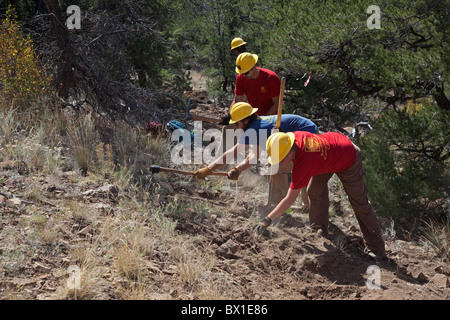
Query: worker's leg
[279,188]
[353,182]
[281,183]
[305,198]
[304,193]
[318,196]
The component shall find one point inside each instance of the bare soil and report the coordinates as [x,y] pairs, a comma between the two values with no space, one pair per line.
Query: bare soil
[290,262]
[294,262]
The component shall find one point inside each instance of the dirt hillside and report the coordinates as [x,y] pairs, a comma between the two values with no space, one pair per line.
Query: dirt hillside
[188,239]
[294,262]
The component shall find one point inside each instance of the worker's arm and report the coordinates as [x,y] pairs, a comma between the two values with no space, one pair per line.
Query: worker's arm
[226,156]
[274,108]
[238,98]
[250,160]
[278,211]
[219,162]
[284,204]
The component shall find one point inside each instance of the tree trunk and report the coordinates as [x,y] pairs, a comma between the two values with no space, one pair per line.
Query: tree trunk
[65,76]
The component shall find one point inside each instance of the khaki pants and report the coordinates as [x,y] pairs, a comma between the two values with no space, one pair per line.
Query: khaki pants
[224,144]
[353,183]
[281,186]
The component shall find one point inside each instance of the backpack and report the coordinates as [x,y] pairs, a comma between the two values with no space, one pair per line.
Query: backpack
[173,125]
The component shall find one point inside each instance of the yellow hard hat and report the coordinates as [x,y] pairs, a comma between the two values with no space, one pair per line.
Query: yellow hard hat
[237,42]
[278,146]
[240,111]
[245,61]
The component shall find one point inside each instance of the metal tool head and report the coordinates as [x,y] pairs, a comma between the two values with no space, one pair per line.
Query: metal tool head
[155,169]
[188,111]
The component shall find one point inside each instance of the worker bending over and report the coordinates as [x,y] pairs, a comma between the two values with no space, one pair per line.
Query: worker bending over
[315,158]
[245,117]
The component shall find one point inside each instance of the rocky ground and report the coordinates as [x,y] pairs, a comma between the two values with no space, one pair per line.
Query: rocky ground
[290,262]
[187,239]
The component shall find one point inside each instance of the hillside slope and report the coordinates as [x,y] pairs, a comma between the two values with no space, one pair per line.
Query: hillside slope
[202,247]
[181,238]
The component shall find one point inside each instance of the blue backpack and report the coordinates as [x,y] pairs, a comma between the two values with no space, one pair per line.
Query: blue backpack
[177,125]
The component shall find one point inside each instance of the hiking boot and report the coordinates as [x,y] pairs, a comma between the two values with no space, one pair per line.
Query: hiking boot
[320,230]
[378,256]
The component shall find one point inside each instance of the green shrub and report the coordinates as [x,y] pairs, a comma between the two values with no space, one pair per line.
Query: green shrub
[22,79]
[406,159]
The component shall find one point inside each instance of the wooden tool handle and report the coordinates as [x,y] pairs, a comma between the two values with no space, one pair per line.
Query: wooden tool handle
[280,101]
[203,118]
[188,173]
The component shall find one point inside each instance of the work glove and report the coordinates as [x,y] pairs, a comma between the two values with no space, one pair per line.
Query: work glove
[202,173]
[262,226]
[225,120]
[233,174]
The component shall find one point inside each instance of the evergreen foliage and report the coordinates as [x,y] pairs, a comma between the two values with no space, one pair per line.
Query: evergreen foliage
[130,53]
[406,158]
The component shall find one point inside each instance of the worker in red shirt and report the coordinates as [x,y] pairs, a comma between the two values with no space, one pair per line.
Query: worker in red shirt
[238,46]
[260,86]
[316,157]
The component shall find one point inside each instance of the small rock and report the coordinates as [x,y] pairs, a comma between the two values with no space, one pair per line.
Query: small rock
[159,296]
[100,205]
[422,277]
[110,189]
[152,267]
[18,165]
[14,201]
[86,230]
[443,269]
[440,280]
[321,261]
[172,269]
[227,250]
[231,245]
[355,295]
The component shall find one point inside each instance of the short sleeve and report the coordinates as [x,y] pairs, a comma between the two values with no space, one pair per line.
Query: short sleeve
[275,84]
[239,89]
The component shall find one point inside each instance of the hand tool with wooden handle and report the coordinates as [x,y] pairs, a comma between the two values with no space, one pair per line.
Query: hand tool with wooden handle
[190,116]
[265,210]
[157,169]
[280,102]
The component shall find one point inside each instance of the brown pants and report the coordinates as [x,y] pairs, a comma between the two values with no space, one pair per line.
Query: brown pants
[353,182]
[281,186]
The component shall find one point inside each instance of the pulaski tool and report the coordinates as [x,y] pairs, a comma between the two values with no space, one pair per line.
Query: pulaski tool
[190,116]
[157,169]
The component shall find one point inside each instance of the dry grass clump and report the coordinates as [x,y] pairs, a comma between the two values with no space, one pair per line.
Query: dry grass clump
[437,237]
[83,138]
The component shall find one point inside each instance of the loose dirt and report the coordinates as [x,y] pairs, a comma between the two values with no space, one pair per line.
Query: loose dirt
[211,253]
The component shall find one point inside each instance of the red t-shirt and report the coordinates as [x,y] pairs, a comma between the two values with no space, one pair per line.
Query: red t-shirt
[320,153]
[260,91]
